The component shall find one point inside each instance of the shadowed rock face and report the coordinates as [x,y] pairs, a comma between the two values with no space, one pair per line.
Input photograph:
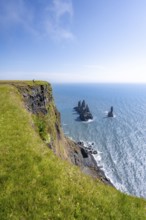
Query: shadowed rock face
[83,110]
[83,157]
[110,113]
[36,98]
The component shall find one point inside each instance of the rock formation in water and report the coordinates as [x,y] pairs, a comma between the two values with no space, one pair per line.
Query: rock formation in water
[84,111]
[110,113]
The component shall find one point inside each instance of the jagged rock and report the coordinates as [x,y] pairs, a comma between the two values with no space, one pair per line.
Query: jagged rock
[83,110]
[79,104]
[80,143]
[84,153]
[85,116]
[36,98]
[87,108]
[110,113]
[83,104]
[94,152]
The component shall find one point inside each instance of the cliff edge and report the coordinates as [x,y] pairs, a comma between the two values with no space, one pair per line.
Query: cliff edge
[38,99]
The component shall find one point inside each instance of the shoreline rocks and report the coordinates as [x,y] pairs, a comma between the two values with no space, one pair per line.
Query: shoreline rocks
[83,110]
[90,165]
[89,148]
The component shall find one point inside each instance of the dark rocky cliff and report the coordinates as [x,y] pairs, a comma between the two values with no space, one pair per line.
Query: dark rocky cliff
[39,102]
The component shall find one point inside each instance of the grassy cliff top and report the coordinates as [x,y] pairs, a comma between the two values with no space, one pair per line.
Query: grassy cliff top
[23,83]
[35,184]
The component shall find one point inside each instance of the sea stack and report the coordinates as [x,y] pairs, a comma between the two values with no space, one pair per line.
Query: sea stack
[84,111]
[110,113]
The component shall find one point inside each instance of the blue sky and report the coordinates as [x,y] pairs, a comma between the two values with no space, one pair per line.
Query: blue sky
[73,40]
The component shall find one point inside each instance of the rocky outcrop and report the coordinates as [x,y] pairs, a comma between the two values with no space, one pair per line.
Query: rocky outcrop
[89,148]
[83,156]
[110,113]
[36,98]
[83,110]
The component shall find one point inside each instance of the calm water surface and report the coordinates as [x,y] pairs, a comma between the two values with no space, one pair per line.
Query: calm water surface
[120,141]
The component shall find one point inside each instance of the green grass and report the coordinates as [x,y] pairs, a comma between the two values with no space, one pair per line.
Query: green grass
[23,83]
[36,185]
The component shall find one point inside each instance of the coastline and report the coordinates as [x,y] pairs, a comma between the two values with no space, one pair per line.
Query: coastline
[98,172]
[83,156]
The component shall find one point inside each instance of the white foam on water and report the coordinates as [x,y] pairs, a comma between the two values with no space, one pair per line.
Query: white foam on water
[120,187]
[97,157]
[116,184]
[71,138]
[89,121]
[115,162]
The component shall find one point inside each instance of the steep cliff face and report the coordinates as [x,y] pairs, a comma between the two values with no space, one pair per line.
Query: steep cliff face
[37,98]
[39,101]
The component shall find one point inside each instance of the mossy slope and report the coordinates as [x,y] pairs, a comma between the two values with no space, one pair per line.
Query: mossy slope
[35,184]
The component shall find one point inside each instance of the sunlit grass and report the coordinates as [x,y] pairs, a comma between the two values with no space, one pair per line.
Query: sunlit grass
[23,83]
[35,184]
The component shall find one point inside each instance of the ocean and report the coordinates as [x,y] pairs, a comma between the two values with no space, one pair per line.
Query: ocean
[121,140]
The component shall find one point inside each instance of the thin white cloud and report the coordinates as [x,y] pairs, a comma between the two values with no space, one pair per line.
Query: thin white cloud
[62,7]
[47,18]
[58,19]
